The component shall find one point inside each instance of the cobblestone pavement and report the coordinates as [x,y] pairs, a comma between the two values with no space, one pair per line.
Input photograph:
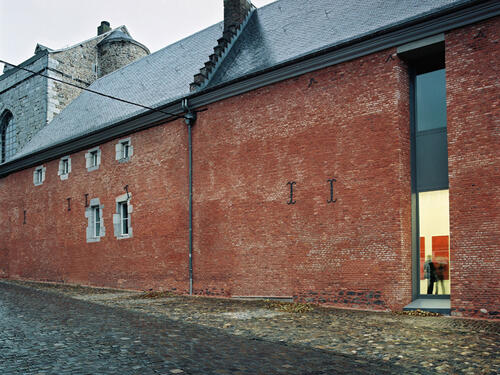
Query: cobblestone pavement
[55,329]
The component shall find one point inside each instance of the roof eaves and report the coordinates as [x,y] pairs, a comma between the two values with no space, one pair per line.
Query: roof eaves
[432,24]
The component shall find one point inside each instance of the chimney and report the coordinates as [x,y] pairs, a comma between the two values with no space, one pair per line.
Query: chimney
[104,28]
[235,12]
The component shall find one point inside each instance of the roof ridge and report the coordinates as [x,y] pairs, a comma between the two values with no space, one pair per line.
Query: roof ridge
[121,28]
[221,50]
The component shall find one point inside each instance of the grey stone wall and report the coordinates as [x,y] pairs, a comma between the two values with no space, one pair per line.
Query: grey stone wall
[34,101]
[116,54]
[75,65]
[24,95]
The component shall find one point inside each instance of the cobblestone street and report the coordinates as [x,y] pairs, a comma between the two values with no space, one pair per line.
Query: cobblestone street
[77,330]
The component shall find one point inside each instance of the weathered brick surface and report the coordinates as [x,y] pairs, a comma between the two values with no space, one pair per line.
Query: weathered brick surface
[52,244]
[473,99]
[349,122]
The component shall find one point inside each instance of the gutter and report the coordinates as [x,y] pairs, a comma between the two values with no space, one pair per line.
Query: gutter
[428,25]
[190,119]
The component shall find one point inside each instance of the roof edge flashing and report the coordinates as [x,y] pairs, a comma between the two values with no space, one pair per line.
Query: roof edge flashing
[420,43]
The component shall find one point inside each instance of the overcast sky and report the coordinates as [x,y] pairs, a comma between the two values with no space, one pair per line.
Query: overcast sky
[60,23]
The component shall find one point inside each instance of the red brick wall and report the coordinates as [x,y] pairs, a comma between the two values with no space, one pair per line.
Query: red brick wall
[52,244]
[473,95]
[348,122]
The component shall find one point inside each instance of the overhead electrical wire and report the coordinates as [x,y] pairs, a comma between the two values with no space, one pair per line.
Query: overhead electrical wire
[95,92]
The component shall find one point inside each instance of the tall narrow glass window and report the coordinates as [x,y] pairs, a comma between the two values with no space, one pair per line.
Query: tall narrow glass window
[434,228]
[97,221]
[9,137]
[124,218]
[431,157]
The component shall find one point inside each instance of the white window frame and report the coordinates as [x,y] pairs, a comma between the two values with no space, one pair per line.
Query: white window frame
[95,216]
[124,150]
[119,219]
[39,175]
[64,172]
[93,159]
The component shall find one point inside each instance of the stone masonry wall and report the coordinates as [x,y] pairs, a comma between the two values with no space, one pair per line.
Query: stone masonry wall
[473,92]
[76,65]
[35,101]
[117,54]
[24,94]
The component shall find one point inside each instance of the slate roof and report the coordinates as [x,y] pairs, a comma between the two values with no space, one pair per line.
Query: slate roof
[118,35]
[279,32]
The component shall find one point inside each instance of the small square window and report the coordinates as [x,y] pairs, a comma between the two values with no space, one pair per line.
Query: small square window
[124,150]
[39,175]
[65,166]
[92,159]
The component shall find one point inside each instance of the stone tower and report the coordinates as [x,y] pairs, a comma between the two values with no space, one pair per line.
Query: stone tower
[29,101]
[117,50]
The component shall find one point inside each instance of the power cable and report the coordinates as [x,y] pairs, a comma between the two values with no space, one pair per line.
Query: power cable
[96,92]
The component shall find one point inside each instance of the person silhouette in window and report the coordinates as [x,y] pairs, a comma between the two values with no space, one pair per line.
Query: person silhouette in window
[430,274]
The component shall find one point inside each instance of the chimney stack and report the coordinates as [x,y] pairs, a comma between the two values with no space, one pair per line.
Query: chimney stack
[104,28]
[235,12]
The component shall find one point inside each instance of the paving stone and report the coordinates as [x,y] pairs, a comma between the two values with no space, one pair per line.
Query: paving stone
[110,335]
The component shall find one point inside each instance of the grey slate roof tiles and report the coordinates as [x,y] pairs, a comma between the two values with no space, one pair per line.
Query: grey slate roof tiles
[276,33]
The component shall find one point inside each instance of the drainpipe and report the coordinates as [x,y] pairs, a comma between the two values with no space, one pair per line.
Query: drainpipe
[190,118]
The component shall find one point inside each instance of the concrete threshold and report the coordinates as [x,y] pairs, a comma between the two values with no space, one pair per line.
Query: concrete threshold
[261,298]
[439,305]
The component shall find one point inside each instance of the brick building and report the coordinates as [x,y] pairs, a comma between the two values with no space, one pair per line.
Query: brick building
[336,152]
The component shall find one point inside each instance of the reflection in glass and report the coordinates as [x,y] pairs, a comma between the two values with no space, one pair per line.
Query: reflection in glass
[434,242]
[430,106]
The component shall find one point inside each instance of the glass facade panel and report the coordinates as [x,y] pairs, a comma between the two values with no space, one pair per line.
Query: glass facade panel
[430,103]
[434,228]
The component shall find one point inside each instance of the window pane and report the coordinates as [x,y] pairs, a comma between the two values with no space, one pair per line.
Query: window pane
[94,158]
[430,106]
[9,138]
[434,230]
[124,214]
[125,150]
[97,222]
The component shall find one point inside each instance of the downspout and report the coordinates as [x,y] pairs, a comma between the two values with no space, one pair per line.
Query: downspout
[190,119]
